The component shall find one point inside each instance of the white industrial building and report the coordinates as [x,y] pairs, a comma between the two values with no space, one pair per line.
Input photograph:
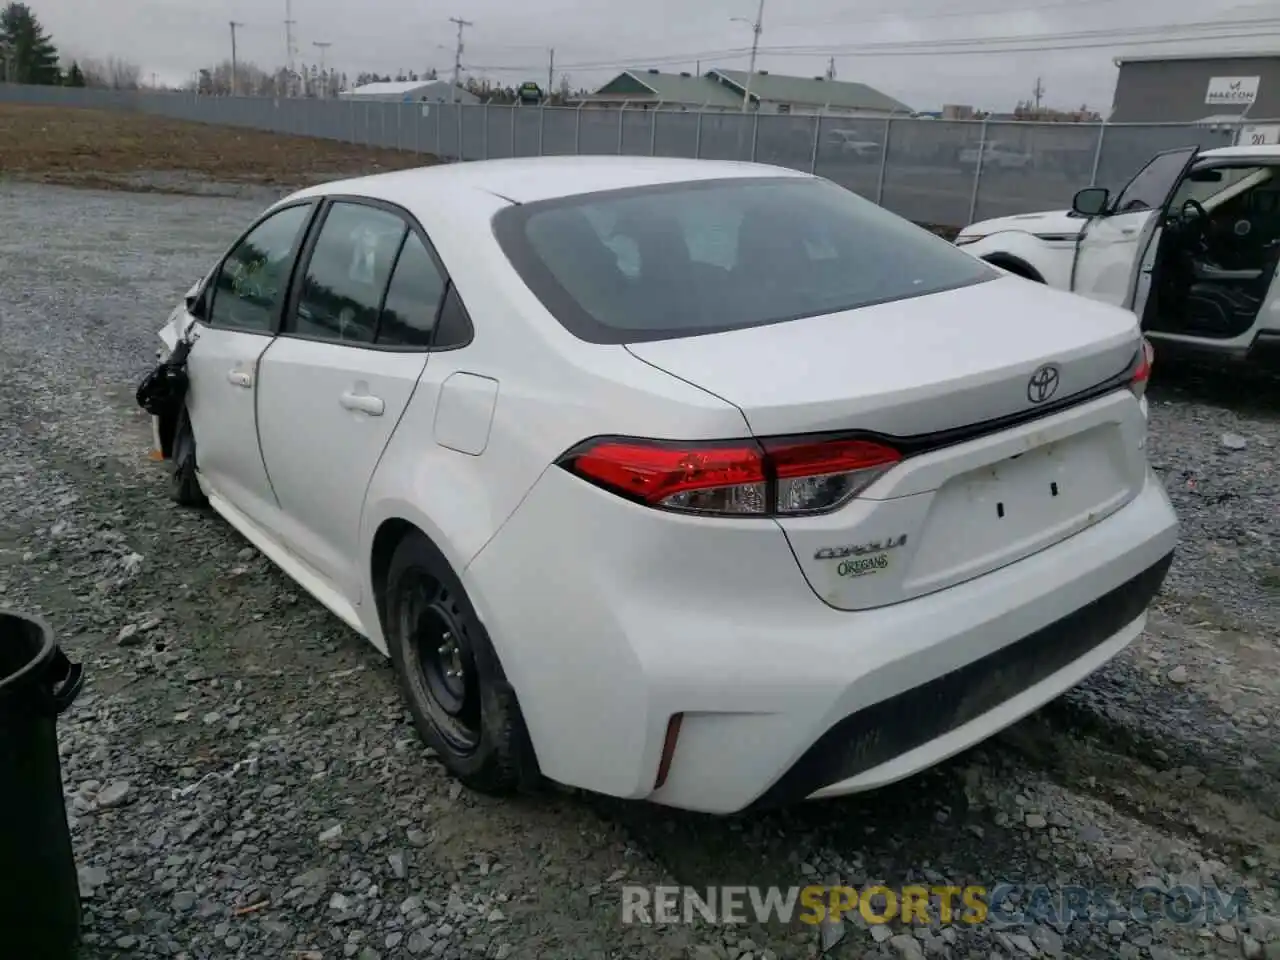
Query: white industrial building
[410,91]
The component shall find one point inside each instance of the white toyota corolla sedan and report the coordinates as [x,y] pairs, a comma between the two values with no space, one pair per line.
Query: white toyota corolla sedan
[706,483]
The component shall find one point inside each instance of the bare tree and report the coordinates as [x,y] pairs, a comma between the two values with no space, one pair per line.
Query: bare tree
[251,80]
[123,74]
[113,72]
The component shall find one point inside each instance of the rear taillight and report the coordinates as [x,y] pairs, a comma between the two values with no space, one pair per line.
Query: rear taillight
[784,476]
[1142,368]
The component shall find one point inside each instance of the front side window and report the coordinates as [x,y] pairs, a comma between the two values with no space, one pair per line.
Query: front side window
[347,273]
[250,283]
[688,259]
[1150,188]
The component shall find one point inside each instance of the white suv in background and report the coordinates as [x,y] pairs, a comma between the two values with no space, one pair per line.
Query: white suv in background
[1191,245]
[711,484]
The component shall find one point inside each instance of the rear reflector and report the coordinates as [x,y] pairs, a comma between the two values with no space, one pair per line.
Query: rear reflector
[668,749]
[1142,368]
[783,476]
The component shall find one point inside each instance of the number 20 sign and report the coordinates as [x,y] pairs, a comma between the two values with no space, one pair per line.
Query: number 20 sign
[1258,135]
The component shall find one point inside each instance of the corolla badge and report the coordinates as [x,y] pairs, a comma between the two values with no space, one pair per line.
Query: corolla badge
[860,549]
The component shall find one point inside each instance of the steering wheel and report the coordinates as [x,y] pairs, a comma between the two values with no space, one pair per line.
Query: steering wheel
[1197,208]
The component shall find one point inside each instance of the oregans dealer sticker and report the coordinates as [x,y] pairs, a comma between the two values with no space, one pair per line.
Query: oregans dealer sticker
[862,566]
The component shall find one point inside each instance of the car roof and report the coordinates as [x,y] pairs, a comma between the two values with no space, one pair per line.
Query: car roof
[1266,151]
[530,179]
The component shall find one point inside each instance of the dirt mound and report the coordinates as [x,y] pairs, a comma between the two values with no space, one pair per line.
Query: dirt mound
[102,148]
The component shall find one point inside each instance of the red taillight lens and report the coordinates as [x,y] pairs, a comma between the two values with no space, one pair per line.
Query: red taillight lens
[783,476]
[716,478]
[1142,370]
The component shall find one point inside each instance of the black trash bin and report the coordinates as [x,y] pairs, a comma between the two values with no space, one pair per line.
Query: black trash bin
[39,893]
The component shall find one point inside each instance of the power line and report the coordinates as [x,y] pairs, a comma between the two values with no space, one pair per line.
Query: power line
[1079,40]
[1029,48]
[908,13]
[1117,37]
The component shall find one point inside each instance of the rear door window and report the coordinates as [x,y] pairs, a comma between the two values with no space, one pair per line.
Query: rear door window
[345,278]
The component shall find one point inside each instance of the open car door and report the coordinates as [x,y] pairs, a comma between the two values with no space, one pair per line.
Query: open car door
[1110,248]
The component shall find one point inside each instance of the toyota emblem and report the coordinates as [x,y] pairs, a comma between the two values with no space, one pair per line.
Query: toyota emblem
[1043,383]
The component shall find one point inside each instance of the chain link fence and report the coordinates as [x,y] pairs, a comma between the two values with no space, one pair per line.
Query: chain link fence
[940,172]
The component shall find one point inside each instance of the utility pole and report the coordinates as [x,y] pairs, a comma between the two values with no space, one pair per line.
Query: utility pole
[322,46]
[1038,93]
[756,29]
[234,62]
[551,69]
[457,57]
[289,49]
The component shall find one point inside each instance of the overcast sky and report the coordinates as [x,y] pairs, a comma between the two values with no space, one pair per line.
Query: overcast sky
[510,38]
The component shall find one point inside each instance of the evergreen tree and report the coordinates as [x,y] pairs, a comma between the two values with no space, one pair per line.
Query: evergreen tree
[31,54]
[75,76]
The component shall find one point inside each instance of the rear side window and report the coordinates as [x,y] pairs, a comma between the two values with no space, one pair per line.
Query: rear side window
[413,298]
[687,259]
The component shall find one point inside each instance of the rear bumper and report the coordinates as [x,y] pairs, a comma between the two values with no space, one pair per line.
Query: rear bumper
[782,697]
[921,726]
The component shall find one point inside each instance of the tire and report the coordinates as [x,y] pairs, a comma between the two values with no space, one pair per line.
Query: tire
[1016,268]
[471,719]
[184,486]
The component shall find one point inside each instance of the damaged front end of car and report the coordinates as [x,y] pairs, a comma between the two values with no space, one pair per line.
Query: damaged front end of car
[163,390]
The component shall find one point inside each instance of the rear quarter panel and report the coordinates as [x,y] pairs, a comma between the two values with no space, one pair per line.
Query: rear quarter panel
[553,391]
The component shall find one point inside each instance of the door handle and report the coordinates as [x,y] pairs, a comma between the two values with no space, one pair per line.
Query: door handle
[363,403]
[1129,231]
[241,378]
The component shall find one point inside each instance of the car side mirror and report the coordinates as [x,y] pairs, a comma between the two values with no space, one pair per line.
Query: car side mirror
[195,302]
[1091,201]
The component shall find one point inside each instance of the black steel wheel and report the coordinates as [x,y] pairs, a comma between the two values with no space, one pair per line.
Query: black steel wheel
[450,676]
[441,666]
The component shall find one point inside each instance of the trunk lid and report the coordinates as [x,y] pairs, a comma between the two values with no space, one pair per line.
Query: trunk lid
[927,366]
[908,367]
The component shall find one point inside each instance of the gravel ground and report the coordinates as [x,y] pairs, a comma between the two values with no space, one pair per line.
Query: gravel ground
[243,782]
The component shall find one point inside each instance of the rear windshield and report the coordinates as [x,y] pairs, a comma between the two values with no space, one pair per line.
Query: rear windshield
[679,260]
